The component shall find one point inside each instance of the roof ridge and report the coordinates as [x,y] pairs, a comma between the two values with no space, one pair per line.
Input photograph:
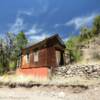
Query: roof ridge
[50,37]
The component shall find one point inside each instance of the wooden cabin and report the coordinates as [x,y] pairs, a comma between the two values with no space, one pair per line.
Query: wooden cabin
[41,58]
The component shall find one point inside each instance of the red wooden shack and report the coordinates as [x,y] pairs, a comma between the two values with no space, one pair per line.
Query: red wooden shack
[41,58]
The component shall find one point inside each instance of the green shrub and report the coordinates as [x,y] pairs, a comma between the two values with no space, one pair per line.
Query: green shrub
[1,69]
[73,49]
[12,65]
[75,55]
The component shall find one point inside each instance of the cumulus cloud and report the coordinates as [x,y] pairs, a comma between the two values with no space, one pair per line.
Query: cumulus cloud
[78,22]
[17,26]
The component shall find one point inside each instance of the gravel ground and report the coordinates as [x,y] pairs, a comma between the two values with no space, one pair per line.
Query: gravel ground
[40,93]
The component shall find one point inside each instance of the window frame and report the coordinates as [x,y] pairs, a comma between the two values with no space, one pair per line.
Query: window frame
[58,57]
[36,56]
[27,57]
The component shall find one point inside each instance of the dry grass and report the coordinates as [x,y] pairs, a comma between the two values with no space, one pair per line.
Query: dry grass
[75,81]
[22,80]
[30,81]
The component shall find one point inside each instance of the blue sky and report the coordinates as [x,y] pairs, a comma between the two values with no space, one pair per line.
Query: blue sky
[42,18]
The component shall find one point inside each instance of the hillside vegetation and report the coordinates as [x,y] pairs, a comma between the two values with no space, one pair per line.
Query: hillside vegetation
[86,46]
[10,47]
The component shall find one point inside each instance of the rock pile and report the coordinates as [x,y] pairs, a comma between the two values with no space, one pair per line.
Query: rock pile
[92,71]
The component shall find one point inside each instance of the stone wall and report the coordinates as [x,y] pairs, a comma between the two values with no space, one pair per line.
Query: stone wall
[89,71]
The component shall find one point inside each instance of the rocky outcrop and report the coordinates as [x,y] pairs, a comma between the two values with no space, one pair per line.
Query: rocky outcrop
[89,71]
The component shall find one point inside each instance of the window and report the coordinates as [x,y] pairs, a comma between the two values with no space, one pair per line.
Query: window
[58,57]
[36,56]
[28,57]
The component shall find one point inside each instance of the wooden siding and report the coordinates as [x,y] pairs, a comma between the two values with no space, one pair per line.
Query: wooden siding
[42,59]
[51,59]
[47,57]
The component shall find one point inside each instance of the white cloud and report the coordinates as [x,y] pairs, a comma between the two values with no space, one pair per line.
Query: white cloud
[17,26]
[41,8]
[78,22]
[36,34]
[27,12]
[39,37]
[34,30]
[57,25]
[66,39]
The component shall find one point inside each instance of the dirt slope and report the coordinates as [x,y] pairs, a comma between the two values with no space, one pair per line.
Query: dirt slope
[91,51]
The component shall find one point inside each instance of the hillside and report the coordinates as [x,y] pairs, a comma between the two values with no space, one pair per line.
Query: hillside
[90,51]
[85,48]
[83,52]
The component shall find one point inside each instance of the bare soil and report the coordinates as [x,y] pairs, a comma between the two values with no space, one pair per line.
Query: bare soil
[50,93]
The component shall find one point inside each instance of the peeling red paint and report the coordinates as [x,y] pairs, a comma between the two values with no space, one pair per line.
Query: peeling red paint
[39,72]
